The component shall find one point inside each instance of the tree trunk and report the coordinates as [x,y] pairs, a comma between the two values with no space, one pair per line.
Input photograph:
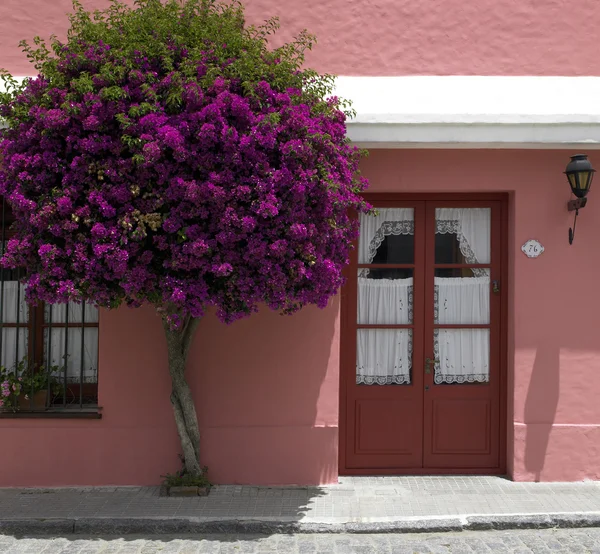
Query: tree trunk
[178,344]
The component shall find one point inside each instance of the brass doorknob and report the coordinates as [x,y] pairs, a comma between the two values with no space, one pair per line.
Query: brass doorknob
[429,362]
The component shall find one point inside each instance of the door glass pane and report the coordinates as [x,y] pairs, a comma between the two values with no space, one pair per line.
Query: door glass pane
[384,356]
[385,296]
[461,300]
[462,235]
[462,356]
[388,237]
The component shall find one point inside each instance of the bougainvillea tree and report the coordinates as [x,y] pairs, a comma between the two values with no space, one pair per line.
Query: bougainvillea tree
[165,154]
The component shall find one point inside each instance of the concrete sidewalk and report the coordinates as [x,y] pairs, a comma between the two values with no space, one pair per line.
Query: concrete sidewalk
[356,504]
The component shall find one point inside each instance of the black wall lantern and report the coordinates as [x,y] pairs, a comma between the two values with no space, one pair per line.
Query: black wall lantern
[580,174]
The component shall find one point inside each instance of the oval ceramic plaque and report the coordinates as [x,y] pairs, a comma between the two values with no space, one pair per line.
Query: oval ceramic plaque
[532,248]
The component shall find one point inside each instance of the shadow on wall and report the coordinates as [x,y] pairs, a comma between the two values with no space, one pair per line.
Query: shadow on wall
[266,390]
[540,405]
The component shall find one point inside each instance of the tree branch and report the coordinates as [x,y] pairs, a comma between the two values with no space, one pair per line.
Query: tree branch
[185,324]
[188,335]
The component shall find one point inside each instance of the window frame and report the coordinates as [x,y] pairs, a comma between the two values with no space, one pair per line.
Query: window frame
[72,394]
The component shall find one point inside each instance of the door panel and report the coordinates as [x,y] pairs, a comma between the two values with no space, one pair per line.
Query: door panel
[384,342]
[461,426]
[421,339]
[462,334]
[385,427]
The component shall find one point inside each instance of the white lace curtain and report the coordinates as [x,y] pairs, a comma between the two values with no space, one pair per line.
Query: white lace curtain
[385,301]
[470,225]
[374,229]
[385,356]
[462,354]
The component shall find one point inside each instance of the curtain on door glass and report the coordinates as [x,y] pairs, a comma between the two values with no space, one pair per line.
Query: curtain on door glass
[384,356]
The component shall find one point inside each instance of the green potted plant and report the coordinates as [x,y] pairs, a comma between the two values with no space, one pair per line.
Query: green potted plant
[25,388]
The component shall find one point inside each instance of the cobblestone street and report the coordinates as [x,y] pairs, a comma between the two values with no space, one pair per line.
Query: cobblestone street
[550,540]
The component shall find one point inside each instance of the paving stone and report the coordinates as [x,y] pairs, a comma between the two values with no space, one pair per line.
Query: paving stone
[354,498]
[356,504]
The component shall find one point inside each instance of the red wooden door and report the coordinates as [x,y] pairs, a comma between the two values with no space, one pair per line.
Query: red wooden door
[462,335]
[421,342]
[384,413]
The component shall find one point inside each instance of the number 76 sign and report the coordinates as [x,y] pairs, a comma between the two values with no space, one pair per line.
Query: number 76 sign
[532,248]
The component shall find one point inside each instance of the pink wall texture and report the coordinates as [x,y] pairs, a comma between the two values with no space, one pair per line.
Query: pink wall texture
[389,37]
[266,391]
[267,387]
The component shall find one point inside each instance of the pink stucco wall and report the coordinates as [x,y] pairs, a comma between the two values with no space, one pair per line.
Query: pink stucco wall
[390,37]
[267,387]
[266,390]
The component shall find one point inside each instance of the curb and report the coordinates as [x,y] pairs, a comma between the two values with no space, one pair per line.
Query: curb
[168,526]
[532,521]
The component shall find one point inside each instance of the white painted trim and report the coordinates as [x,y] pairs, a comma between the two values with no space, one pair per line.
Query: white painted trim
[456,135]
[18,78]
[473,111]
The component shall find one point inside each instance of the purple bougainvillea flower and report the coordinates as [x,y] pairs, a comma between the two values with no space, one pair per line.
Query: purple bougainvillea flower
[228,199]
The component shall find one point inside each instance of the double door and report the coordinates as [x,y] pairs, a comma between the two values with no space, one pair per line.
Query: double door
[421,341]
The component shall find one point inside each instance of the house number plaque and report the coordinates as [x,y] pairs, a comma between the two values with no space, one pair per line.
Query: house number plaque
[532,248]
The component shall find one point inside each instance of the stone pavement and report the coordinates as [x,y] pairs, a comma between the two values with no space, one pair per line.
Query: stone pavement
[483,542]
[356,504]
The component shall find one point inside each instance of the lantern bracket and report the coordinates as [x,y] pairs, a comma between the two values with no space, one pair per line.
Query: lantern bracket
[572,230]
[575,205]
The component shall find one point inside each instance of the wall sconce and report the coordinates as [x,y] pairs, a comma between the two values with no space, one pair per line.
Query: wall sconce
[580,174]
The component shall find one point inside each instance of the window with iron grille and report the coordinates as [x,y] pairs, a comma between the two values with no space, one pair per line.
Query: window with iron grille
[49,352]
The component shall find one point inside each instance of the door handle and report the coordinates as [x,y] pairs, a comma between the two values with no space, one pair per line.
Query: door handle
[429,362]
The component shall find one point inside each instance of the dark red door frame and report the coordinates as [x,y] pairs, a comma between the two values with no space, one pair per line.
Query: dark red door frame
[348,327]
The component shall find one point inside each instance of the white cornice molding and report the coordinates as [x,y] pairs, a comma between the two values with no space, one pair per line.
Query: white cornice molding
[473,111]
